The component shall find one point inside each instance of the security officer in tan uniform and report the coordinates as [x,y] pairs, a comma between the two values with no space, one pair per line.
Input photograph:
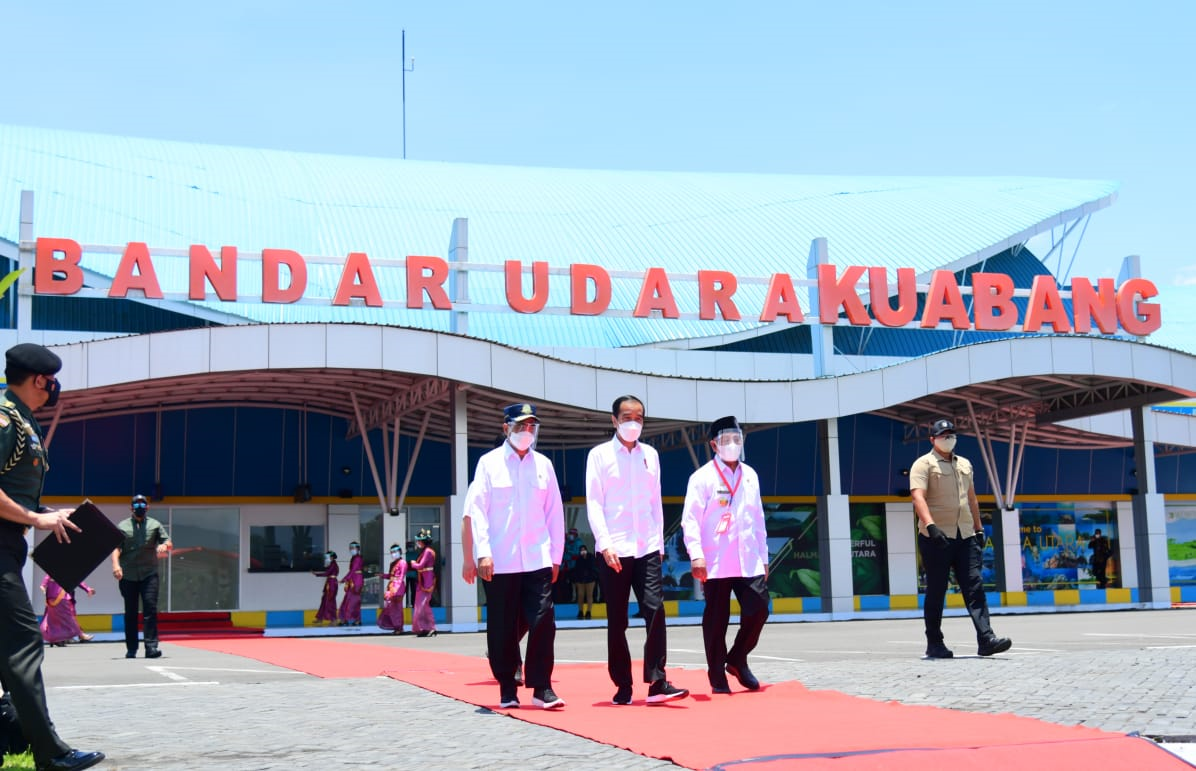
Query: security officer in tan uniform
[950,537]
[29,372]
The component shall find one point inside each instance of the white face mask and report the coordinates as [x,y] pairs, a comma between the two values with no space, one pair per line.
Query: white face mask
[729,453]
[523,440]
[945,443]
[630,430]
[394,555]
[327,561]
[352,552]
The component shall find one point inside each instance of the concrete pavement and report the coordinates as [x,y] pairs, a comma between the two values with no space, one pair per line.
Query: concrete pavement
[1132,671]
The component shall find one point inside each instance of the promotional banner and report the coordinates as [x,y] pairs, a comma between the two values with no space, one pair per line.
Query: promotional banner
[1056,544]
[1181,544]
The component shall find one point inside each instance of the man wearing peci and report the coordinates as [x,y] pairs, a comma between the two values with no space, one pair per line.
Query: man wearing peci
[515,510]
[30,374]
[624,507]
[950,538]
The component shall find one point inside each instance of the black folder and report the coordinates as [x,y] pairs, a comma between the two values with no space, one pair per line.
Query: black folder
[70,563]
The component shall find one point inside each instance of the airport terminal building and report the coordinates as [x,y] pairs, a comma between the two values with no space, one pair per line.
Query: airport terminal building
[287,352]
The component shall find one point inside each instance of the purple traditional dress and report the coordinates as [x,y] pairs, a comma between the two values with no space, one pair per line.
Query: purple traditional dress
[350,614]
[422,621]
[391,615]
[59,624]
[327,611]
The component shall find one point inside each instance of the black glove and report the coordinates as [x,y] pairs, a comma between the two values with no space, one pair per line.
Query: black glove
[981,539]
[937,536]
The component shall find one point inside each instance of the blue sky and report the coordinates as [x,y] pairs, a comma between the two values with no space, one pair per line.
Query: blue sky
[1094,90]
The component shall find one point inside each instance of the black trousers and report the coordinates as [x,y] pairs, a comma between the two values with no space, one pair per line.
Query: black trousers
[510,596]
[21,666]
[641,575]
[145,590]
[1099,565]
[752,594]
[963,556]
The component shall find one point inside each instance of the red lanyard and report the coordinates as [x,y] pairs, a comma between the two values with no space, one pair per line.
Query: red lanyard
[725,521]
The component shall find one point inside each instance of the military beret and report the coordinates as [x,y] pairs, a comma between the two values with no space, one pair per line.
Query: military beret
[728,423]
[34,358]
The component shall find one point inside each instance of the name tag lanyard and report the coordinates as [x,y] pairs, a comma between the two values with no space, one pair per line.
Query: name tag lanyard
[725,522]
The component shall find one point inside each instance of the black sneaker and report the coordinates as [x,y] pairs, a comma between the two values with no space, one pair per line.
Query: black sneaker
[622,696]
[994,646]
[662,691]
[508,700]
[544,697]
[744,675]
[720,688]
[153,653]
[936,650]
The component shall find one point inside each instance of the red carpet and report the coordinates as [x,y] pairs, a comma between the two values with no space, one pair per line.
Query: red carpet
[782,726]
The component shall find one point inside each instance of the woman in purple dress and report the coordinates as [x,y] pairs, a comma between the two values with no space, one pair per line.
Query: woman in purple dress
[422,621]
[327,611]
[354,581]
[391,615]
[59,624]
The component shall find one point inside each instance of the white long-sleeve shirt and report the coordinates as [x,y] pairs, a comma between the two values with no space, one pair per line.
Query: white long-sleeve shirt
[514,505]
[741,550]
[623,499]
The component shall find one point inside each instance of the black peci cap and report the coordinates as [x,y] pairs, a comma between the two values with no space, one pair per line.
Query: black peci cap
[31,357]
[724,424]
[942,426]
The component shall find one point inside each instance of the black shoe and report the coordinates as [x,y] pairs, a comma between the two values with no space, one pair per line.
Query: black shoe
[130,654]
[720,687]
[518,675]
[587,615]
[508,699]
[662,691]
[153,653]
[744,676]
[936,650]
[622,696]
[546,698]
[994,646]
[72,760]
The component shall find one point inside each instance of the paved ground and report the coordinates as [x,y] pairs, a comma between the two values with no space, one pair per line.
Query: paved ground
[1132,671]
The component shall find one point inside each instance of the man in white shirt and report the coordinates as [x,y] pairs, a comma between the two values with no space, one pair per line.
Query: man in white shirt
[627,520]
[723,525]
[515,511]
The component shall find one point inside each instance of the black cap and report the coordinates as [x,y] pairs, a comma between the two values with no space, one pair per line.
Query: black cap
[517,413]
[724,424]
[942,426]
[139,499]
[31,357]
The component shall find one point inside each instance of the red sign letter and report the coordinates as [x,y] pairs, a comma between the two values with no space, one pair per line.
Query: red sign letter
[515,298]
[907,296]
[222,279]
[992,301]
[1137,317]
[715,288]
[137,257]
[432,282]
[943,301]
[271,292]
[1045,307]
[656,295]
[781,300]
[47,266]
[357,280]
[579,275]
[832,294]
[1088,305]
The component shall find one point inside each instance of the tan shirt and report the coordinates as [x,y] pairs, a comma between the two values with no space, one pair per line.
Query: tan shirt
[946,483]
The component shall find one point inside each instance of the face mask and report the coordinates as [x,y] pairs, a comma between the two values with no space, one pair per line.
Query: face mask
[53,388]
[945,443]
[139,511]
[630,430]
[522,440]
[327,560]
[394,555]
[729,453]
[352,552]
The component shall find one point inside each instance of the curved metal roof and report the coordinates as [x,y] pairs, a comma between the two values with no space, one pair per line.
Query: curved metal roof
[99,189]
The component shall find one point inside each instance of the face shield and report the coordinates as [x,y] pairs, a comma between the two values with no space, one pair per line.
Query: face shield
[729,445]
[522,434]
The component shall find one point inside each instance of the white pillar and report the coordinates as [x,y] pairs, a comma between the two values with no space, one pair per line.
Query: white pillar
[1127,548]
[1150,517]
[834,527]
[463,598]
[903,548]
[1007,527]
